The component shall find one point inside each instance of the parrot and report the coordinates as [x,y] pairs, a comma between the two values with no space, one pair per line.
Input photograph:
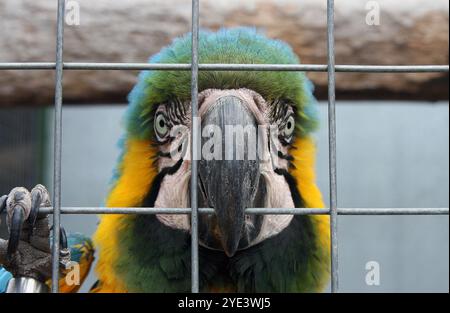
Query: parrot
[238,252]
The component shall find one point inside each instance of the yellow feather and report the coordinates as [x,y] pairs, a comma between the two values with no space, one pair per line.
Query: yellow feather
[137,173]
[304,171]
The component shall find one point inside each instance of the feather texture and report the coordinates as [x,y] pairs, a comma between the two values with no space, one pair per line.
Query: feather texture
[228,46]
[142,255]
[130,258]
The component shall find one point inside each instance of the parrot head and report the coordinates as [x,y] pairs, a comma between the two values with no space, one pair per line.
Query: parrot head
[248,126]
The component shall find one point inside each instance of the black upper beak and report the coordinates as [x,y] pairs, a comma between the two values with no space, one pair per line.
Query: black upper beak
[230,184]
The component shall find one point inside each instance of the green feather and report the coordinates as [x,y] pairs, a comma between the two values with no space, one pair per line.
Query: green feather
[228,46]
[156,258]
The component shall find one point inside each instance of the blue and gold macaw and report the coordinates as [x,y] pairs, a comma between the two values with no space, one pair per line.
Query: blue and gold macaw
[238,252]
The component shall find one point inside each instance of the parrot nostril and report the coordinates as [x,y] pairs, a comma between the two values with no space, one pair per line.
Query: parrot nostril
[249,221]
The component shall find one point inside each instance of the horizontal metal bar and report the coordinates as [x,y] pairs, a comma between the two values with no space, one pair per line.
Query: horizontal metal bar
[230,67]
[128,66]
[392,68]
[252,211]
[149,211]
[28,66]
[394,211]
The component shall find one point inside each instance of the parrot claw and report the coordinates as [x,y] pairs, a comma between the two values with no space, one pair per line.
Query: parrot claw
[65,256]
[27,253]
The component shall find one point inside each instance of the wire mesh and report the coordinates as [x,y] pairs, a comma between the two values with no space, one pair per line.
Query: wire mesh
[331,68]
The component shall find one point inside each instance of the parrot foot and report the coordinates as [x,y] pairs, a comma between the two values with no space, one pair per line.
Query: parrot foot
[27,253]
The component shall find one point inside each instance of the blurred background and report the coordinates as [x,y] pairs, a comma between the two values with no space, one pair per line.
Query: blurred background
[393,129]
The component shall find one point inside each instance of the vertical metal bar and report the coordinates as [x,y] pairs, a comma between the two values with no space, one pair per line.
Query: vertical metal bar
[332,147]
[57,146]
[194,146]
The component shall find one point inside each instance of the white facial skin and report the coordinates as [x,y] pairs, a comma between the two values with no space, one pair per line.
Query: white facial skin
[174,191]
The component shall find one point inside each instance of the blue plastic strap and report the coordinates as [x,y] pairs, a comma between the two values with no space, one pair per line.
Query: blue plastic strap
[5,277]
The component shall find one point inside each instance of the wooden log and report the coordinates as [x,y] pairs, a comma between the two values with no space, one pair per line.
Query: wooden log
[410,32]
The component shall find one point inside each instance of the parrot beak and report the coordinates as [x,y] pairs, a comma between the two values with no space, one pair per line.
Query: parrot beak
[231,182]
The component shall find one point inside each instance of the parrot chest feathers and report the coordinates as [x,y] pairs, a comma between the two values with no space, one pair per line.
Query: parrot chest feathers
[288,262]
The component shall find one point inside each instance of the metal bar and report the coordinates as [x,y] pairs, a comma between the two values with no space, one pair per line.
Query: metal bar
[393,211]
[28,66]
[195,133]
[230,67]
[174,211]
[332,147]
[129,66]
[57,145]
[262,211]
[392,68]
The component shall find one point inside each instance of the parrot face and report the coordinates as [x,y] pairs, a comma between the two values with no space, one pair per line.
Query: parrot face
[255,151]
[244,164]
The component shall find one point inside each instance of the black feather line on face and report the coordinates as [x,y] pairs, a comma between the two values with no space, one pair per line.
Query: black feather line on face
[292,182]
[286,157]
[180,149]
[166,155]
[150,199]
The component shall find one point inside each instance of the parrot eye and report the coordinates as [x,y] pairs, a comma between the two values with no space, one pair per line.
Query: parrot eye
[161,126]
[289,127]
